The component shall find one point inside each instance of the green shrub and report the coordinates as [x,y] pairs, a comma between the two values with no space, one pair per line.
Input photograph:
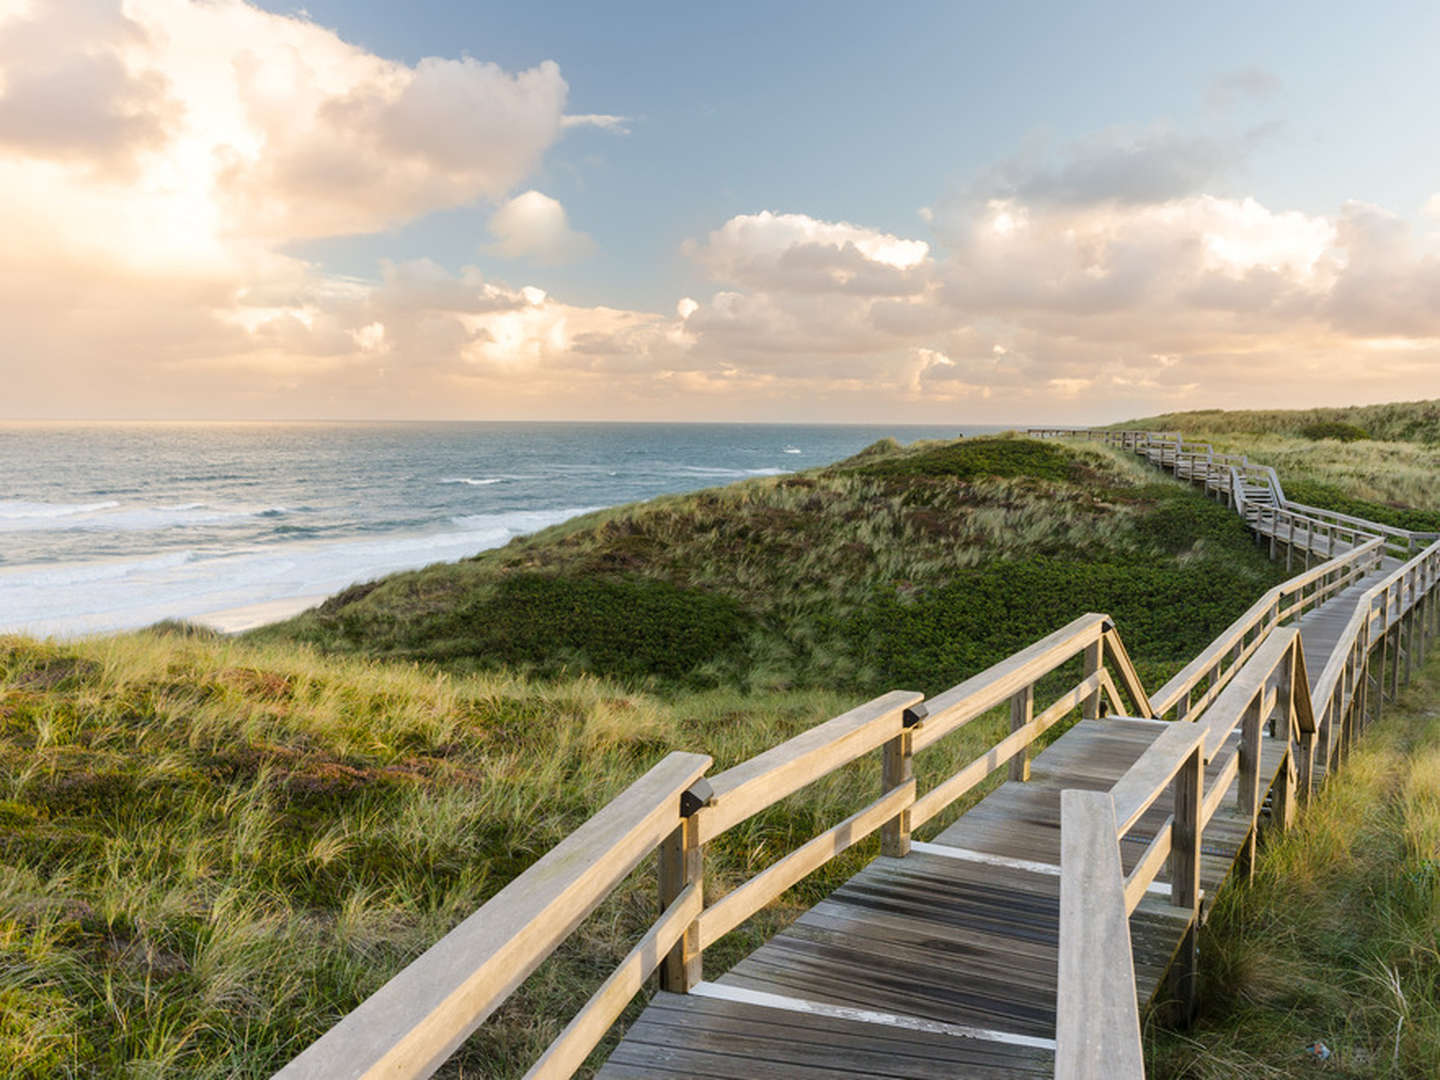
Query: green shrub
[1330,497]
[931,641]
[629,628]
[1334,429]
[968,459]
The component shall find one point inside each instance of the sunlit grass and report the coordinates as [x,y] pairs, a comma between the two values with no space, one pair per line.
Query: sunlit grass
[1337,940]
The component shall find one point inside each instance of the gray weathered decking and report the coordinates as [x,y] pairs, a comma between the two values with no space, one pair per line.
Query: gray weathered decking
[962,932]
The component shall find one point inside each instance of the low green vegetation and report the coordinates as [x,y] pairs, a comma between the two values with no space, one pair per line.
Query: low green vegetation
[212,848]
[1337,940]
[910,567]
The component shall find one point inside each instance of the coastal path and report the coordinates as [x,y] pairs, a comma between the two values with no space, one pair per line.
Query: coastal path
[1030,935]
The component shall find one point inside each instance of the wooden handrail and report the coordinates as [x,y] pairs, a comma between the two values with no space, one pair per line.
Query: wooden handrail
[962,703]
[1097,1021]
[415,1021]
[1152,772]
[766,778]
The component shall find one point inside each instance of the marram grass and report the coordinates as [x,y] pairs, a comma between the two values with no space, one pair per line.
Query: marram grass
[1337,940]
[210,850]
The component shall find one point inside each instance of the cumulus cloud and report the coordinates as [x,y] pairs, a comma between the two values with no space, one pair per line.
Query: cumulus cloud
[795,252]
[159,156]
[71,92]
[535,226]
[150,224]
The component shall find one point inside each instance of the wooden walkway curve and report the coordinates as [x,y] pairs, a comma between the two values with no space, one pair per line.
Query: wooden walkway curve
[1028,937]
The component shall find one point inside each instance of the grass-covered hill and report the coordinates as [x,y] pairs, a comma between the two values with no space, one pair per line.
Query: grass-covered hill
[1374,461]
[1397,421]
[896,568]
[211,848]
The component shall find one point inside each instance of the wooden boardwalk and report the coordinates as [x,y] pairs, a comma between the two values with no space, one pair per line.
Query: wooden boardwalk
[1028,937]
[959,938]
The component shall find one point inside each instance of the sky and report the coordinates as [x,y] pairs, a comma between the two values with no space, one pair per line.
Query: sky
[1031,213]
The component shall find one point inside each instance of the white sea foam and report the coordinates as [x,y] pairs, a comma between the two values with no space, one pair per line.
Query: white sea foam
[19,510]
[112,516]
[126,593]
[723,473]
[475,481]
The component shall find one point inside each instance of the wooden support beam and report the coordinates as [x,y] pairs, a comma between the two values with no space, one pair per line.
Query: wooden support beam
[897,771]
[1022,711]
[681,866]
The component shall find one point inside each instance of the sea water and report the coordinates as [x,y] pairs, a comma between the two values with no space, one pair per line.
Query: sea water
[118,525]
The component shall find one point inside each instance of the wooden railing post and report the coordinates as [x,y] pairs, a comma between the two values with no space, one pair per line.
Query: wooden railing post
[1090,708]
[681,862]
[1185,840]
[1303,753]
[1248,789]
[1097,1021]
[897,769]
[1022,711]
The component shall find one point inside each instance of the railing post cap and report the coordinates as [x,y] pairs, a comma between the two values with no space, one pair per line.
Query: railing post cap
[914,714]
[696,796]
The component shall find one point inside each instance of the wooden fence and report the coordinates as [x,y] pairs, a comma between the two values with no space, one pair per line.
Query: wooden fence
[1252,675]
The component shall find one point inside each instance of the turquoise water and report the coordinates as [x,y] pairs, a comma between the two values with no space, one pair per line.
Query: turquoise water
[111,526]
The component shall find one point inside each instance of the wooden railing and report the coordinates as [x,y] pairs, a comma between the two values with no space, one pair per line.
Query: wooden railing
[1254,677]
[416,1020]
[1251,676]
[411,1025]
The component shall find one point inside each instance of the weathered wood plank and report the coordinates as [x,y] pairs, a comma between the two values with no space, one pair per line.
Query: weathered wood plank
[947,791]
[742,902]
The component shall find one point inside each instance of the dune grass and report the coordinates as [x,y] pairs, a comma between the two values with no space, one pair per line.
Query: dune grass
[211,850]
[1396,421]
[1337,940]
[909,567]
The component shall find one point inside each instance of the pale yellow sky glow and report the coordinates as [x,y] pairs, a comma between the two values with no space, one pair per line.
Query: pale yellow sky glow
[161,160]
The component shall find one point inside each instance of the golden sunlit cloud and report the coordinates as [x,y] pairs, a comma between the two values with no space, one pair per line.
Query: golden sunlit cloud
[159,159]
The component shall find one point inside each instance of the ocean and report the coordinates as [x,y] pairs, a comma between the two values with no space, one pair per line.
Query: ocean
[111,526]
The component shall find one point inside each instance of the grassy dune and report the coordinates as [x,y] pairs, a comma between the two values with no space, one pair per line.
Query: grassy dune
[1338,938]
[1399,421]
[210,850]
[899,567]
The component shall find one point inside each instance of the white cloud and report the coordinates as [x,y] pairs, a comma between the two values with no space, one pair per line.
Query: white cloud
[795,252]
[535,226]
[618,125]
